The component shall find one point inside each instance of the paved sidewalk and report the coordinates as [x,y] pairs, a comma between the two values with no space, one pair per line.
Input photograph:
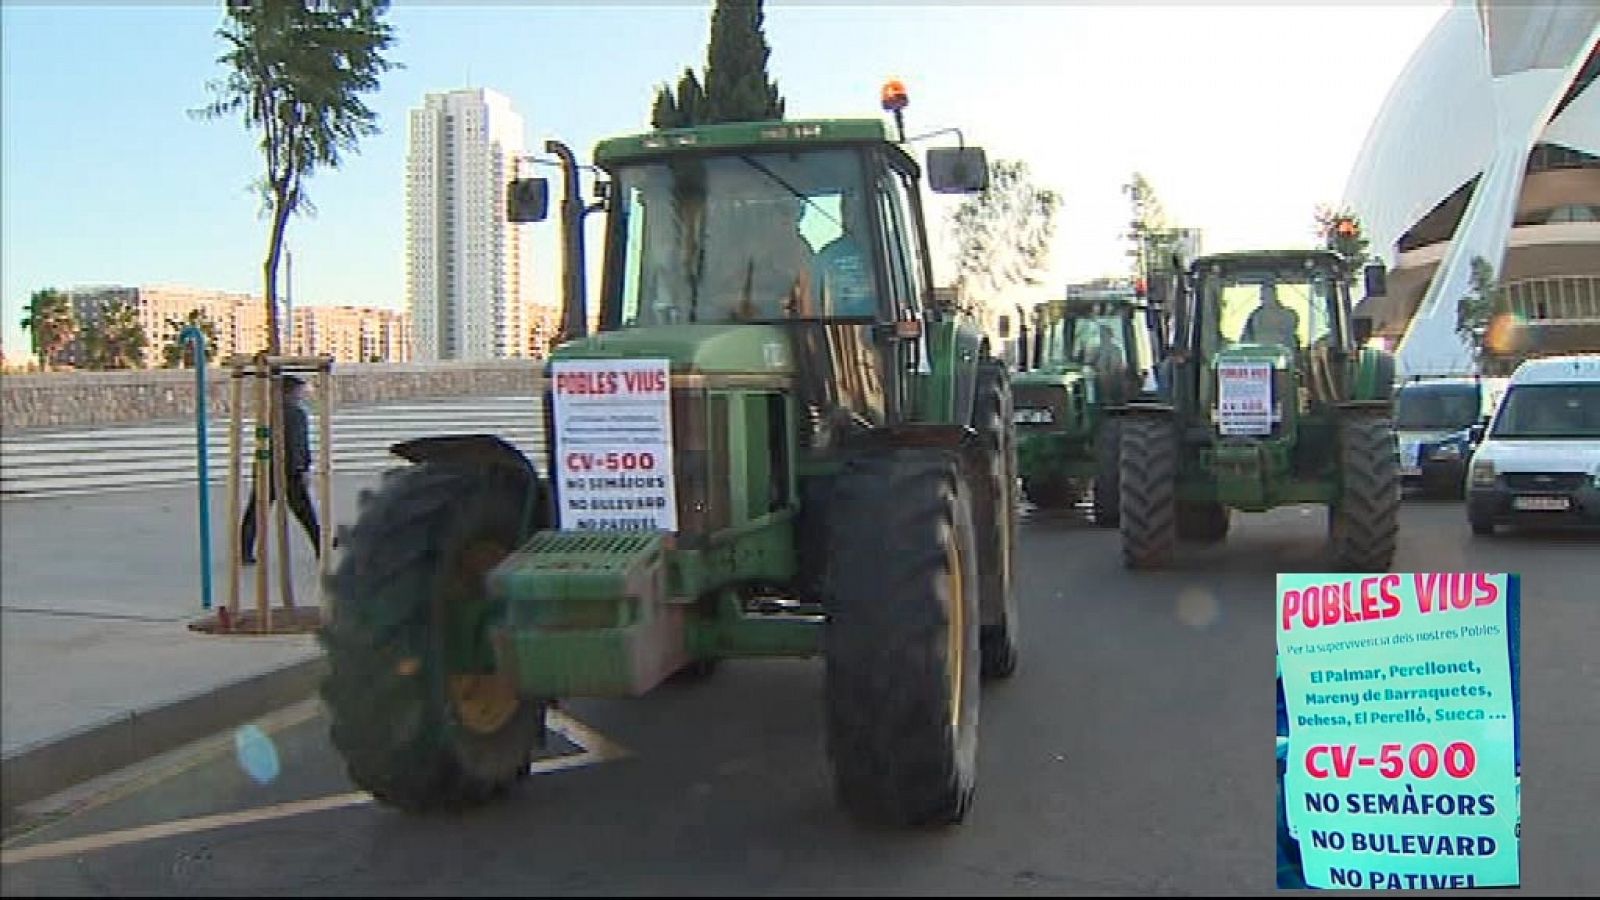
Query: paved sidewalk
[99,666]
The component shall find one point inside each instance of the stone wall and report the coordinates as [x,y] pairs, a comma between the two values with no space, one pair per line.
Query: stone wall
[79,399]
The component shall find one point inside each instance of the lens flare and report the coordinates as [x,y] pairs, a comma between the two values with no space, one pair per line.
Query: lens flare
[257,755]
[1197,607]
[1505,333]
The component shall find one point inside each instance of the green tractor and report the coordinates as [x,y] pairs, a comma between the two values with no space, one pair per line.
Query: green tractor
[771,445]
[1092,351]
[1270,398]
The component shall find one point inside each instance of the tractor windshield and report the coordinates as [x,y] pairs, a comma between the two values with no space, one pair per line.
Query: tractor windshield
[742,238]
[1096,341]
[1284,306]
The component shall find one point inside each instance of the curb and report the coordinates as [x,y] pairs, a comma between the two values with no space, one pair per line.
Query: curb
[52,766]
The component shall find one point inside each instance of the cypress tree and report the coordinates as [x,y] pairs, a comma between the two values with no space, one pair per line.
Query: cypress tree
[736,88]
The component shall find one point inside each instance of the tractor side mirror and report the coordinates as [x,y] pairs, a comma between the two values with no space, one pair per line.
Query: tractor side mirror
[528,200]
[1376,279]
[957,170]
[1362,327]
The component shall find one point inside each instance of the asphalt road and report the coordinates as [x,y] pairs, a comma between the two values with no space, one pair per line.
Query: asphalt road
[1131,754]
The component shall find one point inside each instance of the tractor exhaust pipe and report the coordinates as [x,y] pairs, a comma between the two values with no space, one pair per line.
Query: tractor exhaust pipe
[574,311]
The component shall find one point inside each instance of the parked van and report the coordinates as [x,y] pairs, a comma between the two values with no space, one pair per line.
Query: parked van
[1433,421]
[1538,461]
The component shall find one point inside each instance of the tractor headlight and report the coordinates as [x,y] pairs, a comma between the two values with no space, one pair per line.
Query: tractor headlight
[1483,473]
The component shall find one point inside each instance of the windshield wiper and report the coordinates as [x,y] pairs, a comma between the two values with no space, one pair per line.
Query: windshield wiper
[790,188]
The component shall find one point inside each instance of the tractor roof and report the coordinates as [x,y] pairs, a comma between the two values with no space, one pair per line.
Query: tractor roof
[740,136]
[1270,258]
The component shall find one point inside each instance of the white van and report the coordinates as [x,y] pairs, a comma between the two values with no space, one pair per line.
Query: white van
[1539,458]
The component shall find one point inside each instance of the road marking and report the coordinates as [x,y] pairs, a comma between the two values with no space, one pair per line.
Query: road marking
[597,748]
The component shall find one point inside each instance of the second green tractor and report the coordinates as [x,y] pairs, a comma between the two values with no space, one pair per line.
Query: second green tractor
[1269,397]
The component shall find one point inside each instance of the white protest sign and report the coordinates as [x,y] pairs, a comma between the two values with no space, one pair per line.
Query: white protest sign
[613,424]
[1244,398]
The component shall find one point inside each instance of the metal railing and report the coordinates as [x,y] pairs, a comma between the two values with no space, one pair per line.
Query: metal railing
[1555,299]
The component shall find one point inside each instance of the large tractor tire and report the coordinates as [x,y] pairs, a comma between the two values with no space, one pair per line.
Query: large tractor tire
[901,647]
[1108,474]
[1051,493]
[994,512]
[1365,521]
[416,731]
[1149,475]
[1206,523]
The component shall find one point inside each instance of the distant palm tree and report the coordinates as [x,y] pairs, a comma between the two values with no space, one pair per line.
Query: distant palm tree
[178,353]
[50,323]
[115,340]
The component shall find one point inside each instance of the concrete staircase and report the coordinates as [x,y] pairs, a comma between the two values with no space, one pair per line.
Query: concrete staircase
[57,463]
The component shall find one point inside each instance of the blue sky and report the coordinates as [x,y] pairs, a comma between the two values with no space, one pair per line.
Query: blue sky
[1243,117]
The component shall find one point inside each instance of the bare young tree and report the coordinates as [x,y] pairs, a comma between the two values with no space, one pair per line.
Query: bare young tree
[296,71]
[1003,235]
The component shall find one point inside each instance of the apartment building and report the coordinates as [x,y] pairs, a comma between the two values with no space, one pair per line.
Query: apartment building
[464,261]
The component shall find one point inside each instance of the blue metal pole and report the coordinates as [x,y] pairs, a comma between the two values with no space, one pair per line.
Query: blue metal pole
[195,336]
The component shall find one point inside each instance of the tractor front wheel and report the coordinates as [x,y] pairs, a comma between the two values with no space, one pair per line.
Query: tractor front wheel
[995,510]
[1365,521]
[423,721]
[901,647]
[1149,464]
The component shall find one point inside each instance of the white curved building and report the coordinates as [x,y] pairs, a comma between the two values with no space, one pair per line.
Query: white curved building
[1488,145]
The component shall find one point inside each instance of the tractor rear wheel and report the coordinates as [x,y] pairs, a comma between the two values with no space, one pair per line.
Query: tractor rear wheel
[1203,522]
[901,647]
[419,727]
[1107,478]
[1149,475]
[994,511]
[1364,522]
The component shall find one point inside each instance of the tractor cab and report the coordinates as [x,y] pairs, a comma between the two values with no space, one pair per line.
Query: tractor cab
[1106,331]
[1286,313]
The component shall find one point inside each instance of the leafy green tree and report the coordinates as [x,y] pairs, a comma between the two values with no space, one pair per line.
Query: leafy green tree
[50,325]
[1003,235]
[296,72]
[178,353]
[114,339]
[1477,310]
[737,87]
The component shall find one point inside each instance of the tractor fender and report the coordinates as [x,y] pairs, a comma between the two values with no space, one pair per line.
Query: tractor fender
[484,450]
[480,449]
